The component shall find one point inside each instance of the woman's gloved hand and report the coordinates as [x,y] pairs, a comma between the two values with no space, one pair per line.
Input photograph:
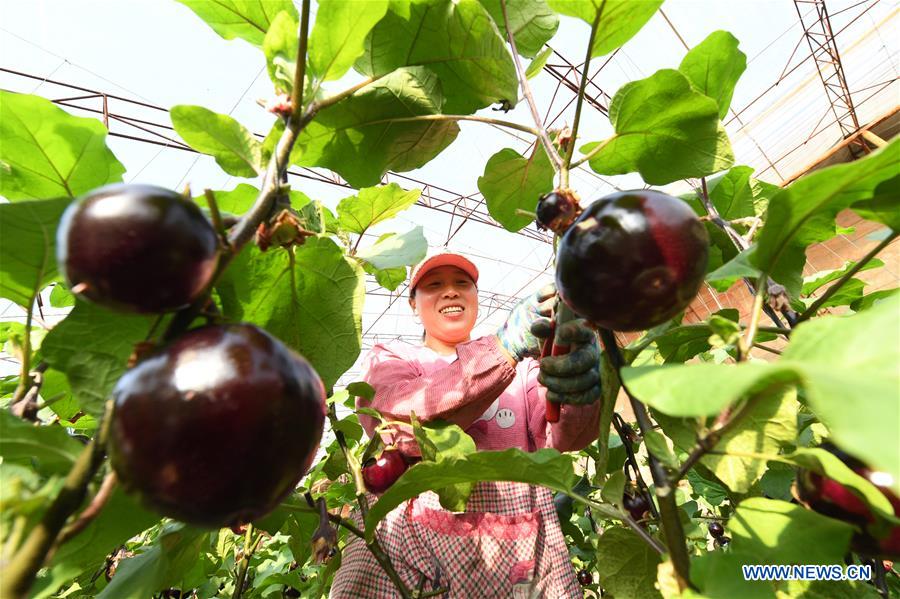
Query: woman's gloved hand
[572,378]
[515,335]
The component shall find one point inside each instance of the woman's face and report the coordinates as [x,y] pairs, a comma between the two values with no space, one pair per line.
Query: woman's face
[446,301]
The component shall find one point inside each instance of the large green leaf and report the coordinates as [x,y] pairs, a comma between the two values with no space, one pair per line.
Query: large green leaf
[883,206]
[665,130]
[395,251]
[373,205]
[28,247]
[850,372]
[512,182]
[626,564]
[390,278]
[672,389]
[546,467]
[46,152]
[439,441]
[47,448]
[736,194]
[532,23]
[337,38]
[714,67]
[314,304]
[235,149]
[245,19]
[619,21]
[804,213]
[457,39]
[768,427]
[360,138]
[91,346]
[120,519]
[778,532]
[163,565]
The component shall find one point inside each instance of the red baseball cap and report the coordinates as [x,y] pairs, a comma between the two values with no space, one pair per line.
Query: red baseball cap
[442,258]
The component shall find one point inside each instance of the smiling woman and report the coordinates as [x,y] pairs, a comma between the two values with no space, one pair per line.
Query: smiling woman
[508,542]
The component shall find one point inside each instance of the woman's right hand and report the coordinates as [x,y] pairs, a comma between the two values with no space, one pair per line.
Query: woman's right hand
[516,335]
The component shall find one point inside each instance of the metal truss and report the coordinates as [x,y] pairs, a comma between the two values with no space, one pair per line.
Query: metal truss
[824,51]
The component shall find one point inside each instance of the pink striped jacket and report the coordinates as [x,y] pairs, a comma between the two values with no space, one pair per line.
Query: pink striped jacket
[508,542]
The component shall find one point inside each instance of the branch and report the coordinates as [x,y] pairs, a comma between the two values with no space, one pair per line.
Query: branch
[811,311]
[529,98]
[91,511]
[745,343]
[249,549]
[596,150]
[564,172]
[21,570]
[665,491]
[621,515]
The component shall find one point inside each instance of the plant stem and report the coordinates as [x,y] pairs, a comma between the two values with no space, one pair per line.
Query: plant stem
[564,171]
[216,216]
[91,511]
[19,574]
[374,546]
[665,491]
[25,381]
[596,150]
[745,343]
[814,307]
[300,69]
[250,546]
[529,98]
[620,515]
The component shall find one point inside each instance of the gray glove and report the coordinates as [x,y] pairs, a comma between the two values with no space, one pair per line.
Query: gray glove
[574,377]
[516,335]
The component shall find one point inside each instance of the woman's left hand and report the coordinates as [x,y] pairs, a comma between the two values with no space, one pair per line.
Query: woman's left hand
[572,378]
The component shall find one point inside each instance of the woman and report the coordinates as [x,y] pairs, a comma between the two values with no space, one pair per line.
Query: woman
[508,542]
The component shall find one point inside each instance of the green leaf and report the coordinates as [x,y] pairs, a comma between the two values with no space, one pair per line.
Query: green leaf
[46,152]
[656,445]
[732,271]
[776,482]
[313,305]
[373,205]
[710,490]
[48,448]
[851,291]
[390,278]
[91,346]
[163,564]
[874,298]
[533,23]
[545,467]
[245,19]
[60,297]
[626,564]
[239,200]
[672,389]
[537,65]
[778,532]
[337,38]
[512,182]
[619,22]
[439,441]
[665,130]
[28,247]
[736,194]
[360,138]
[280,46]
[120,519]
[850,373]
[614,488]
[823,277]
[714,67]
[768,427]
[804,213]
[882,207]
[394,251]
[457,40]
[235,149]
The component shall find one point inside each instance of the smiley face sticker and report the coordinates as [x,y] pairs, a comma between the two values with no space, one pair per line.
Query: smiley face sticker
[505,418]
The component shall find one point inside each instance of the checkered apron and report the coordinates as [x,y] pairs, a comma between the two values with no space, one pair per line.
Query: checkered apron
[507,544]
